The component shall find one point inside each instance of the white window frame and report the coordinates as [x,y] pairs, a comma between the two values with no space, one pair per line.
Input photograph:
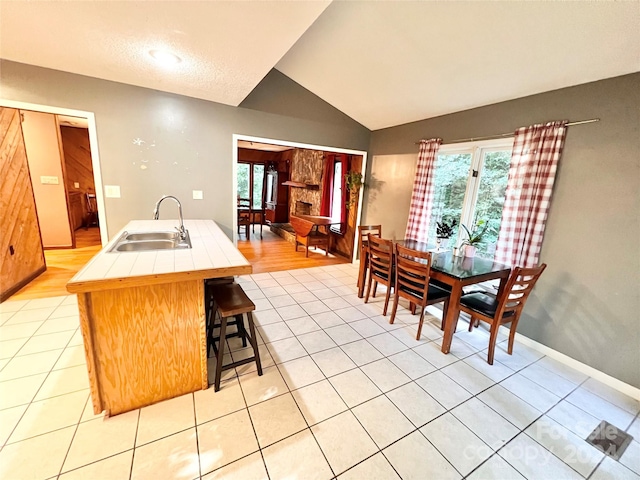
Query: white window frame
[336,202]
[477,150]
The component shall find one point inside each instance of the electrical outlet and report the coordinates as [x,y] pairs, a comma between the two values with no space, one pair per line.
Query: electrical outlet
[49,180]
[76,185]
[112,191]
[197,195]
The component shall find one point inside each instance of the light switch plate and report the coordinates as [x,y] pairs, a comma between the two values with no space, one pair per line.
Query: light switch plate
[112,191]
[76,185]
[197,195]
[49,180]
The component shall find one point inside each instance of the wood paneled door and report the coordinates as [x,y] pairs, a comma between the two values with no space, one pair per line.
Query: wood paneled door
[79,179]
[21,252]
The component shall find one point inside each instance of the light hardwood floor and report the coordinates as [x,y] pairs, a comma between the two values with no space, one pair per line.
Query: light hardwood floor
[273,253]
[61,266]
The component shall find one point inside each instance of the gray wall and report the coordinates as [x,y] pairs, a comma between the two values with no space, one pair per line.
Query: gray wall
[188,142]
[587,303]
[278,94]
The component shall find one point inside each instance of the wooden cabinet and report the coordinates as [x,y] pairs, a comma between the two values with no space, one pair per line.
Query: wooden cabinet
[277,196]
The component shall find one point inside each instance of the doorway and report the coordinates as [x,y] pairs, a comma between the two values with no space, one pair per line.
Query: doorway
[279,179]
[63,171]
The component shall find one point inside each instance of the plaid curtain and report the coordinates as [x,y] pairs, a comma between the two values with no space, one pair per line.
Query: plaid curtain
[422,195]
[536,152]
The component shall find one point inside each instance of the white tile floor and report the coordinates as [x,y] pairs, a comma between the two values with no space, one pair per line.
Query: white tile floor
[344,394]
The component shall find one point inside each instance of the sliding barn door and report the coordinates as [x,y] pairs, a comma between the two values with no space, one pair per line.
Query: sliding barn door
[21,253]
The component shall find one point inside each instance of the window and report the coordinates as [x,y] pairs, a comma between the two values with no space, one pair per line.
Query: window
[337,198]
[469,185]
[258,186]
[251,183]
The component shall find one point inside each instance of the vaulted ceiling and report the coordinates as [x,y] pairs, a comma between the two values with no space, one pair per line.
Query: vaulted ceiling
[382,63]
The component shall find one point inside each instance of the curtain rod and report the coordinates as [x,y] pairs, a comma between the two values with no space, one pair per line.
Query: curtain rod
[503,135]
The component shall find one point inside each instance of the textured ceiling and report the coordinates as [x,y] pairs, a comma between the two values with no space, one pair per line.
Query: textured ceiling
[226,47]
[389,63]
[382,63]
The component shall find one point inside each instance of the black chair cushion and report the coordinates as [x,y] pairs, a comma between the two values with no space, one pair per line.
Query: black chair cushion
[440,284]
[437,292]
[433,294]
[381,275]
[484,303]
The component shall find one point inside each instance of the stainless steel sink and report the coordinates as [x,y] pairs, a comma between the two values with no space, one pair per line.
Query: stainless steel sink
[145,245]
[152,236]
[146,241]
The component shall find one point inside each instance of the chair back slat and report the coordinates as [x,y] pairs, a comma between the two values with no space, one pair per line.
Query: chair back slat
[518,288]
[413,269]
[365,230]
[380,256]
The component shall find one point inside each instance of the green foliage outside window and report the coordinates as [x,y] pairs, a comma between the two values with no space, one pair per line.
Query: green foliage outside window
[258,184]
[243,180]
[245,189]
[451,176]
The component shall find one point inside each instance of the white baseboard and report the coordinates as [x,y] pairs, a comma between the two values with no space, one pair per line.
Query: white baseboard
[608,380]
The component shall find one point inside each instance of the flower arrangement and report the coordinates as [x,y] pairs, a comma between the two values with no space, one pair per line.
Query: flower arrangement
[444,229]
[474,236]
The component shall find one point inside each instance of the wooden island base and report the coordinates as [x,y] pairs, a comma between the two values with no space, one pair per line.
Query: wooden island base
[142,315]
[144,344]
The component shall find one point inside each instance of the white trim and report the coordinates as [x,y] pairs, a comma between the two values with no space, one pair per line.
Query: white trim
[234,188]
[354,255]
[234,182]
[285,143]
[93,143]
[485,144]
[608,380]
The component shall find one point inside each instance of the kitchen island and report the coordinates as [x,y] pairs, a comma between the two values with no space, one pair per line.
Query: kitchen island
[142,315]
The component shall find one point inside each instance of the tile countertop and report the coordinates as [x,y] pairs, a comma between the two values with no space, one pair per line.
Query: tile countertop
[212,255]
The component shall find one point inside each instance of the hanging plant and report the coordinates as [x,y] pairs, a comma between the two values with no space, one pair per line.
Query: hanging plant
[354,182]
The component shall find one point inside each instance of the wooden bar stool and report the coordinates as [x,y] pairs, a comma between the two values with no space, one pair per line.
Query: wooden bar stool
[231,301]
[210,285]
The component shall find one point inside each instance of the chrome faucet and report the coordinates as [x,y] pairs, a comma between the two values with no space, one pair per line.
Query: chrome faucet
[156,214]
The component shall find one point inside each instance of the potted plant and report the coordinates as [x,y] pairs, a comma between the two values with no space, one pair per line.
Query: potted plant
[444,231]
[354,182]
[474,237]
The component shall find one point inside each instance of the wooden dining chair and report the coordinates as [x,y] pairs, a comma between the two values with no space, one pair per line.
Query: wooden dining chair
[244,215]
[380,254]
[504,309]
[258,218]
[413,269]
[363,232]
[92,210]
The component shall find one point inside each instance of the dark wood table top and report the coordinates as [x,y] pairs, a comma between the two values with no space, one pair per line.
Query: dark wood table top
[457,267]
[317,219]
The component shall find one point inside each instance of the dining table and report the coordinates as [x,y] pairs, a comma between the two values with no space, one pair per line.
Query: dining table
[318,220]
[458,272]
